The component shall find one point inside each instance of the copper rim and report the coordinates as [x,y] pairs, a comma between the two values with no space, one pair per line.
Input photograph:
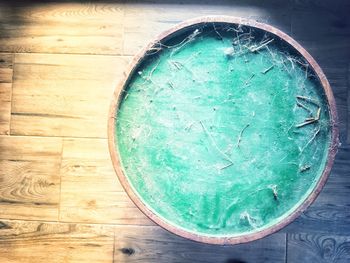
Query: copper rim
[212,239]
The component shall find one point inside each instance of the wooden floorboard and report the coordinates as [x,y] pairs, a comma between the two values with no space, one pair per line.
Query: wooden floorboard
[59,27]
[29,177]
[348,106]
[42,242]
[318,248]
[153,244]
[63,95]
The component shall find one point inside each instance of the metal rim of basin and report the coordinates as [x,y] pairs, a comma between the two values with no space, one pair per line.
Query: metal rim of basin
[117,98]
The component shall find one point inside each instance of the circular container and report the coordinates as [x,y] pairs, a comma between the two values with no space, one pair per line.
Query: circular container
[118,97]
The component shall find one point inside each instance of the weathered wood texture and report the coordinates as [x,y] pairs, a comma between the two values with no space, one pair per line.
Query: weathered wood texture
[63,95]
[318,248]
[42,242]
[29,177]
[153,244]
[65,58]
[348,106]
[68,27]
[6,70]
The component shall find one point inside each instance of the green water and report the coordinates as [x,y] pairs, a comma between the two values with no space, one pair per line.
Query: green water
[207,132]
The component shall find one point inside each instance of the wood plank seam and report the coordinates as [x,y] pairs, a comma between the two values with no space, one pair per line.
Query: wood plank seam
[60,191]
[13,74]
[286,253]
[78,222]
[6,84]
[348,105]
[114,245]
[78,54]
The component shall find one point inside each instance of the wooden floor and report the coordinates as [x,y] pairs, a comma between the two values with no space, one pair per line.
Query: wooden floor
[60,200]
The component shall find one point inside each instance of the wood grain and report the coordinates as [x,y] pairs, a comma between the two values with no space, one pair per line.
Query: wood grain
[6,72]
[144,21]
[39,242]
[323,27]
[86,165]
[84,28]
[318,248]
[29,177]
[153,244]
[63,95]
[348,106]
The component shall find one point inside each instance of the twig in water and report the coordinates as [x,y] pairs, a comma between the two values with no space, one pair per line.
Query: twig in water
[193,56]
[238,30]
[244,37]
[291,61]
[318,114]
[214,144]
[126,96]
[310,120]
[264,44]
[229,148]
[226,166]
[307,122]
[153,50]
[188,39]
[304,64]
[304,107]
[188,127]
[309,100]
[306,71]
[312,138]
[171,85]
[176,64]
[273,56]
[285,66]
[274,191]
[267,70]
[240,135]
[220,36]
[291,126]
[304,168]
[248,80]
[149,77]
